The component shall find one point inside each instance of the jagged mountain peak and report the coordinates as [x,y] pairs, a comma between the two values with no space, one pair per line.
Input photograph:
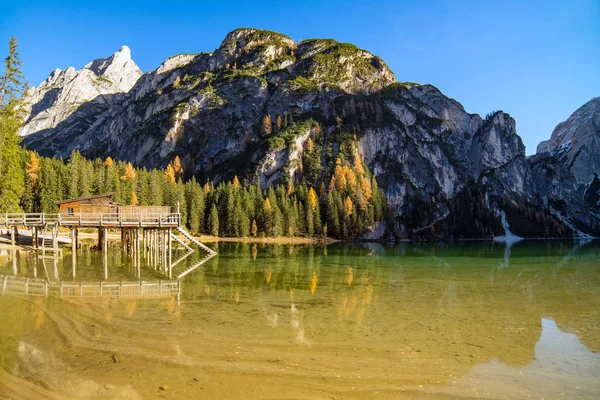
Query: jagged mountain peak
[585,120]
[64,91]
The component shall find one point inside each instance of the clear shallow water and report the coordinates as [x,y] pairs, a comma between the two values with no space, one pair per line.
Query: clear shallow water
[345,321]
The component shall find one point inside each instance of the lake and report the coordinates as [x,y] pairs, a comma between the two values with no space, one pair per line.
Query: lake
[344,321]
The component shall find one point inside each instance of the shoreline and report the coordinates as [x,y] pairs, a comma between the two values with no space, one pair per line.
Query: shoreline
[24,240]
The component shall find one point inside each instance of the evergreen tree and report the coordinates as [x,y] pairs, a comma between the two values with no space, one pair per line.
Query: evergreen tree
[214,221]
[12,91]
[49,190]
[195,201]
[181,202]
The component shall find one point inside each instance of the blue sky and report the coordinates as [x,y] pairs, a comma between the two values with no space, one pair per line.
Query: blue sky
[537,60]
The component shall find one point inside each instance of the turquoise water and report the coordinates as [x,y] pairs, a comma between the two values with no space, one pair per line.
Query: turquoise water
[321,321]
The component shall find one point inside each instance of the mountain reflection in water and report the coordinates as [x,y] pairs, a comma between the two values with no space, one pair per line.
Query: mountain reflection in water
[350,321]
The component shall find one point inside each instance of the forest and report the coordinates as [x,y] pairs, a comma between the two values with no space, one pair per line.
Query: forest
[344,208]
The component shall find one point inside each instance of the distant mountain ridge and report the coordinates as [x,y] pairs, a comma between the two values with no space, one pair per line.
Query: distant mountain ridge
[273,111]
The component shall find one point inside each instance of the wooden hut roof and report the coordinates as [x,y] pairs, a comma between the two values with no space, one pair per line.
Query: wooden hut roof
[98,199]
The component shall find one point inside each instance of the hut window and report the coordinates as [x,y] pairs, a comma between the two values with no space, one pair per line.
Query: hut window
[70,211]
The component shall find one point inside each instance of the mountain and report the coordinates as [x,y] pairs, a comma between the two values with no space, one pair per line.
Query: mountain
[271,110]
[70,99]
[566,167]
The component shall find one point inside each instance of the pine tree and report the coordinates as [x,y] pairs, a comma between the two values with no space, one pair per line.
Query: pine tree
[310,223]
[30,198]
[156,186]
[214,221]
[195,205]
[12,91]
[268,216]
[49,190]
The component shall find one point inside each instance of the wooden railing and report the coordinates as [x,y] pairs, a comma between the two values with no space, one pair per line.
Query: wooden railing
[28,219]
[154,220]
[88,291]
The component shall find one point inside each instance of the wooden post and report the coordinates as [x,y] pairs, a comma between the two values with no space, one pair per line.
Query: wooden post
[12,235]
[14,261]
[34,237]
[137,252]
[156,262]
[74,262]
[170,256]
[105,259]
[55,238]
[105,239]
[4,284]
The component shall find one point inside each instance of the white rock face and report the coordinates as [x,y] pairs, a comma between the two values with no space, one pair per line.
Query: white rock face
[582,123]
[64,91]
[576,142]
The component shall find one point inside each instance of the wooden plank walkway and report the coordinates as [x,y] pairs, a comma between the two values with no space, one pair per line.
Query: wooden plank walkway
[115,220]
[89,291]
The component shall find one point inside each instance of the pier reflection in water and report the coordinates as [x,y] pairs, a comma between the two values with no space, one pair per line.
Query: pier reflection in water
[351,321]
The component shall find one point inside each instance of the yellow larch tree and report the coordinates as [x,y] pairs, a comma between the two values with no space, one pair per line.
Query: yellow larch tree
[169,174]
[267,205]
[129,174]
[134,200]
[348,206]
[177,167]
[312,198]
[33,169]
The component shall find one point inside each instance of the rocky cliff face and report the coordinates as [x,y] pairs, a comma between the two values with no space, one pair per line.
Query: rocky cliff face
[274,111]
[69,95]
[566,168]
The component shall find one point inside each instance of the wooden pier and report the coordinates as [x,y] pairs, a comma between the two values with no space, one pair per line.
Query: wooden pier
[147,235]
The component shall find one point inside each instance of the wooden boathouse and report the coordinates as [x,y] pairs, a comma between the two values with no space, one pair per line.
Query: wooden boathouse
[146,231]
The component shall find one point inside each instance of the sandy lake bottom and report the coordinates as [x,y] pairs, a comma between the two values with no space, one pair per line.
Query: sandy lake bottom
[363,321]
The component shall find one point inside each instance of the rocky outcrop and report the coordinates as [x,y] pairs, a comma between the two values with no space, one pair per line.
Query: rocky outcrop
[270,110]
[566,169]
